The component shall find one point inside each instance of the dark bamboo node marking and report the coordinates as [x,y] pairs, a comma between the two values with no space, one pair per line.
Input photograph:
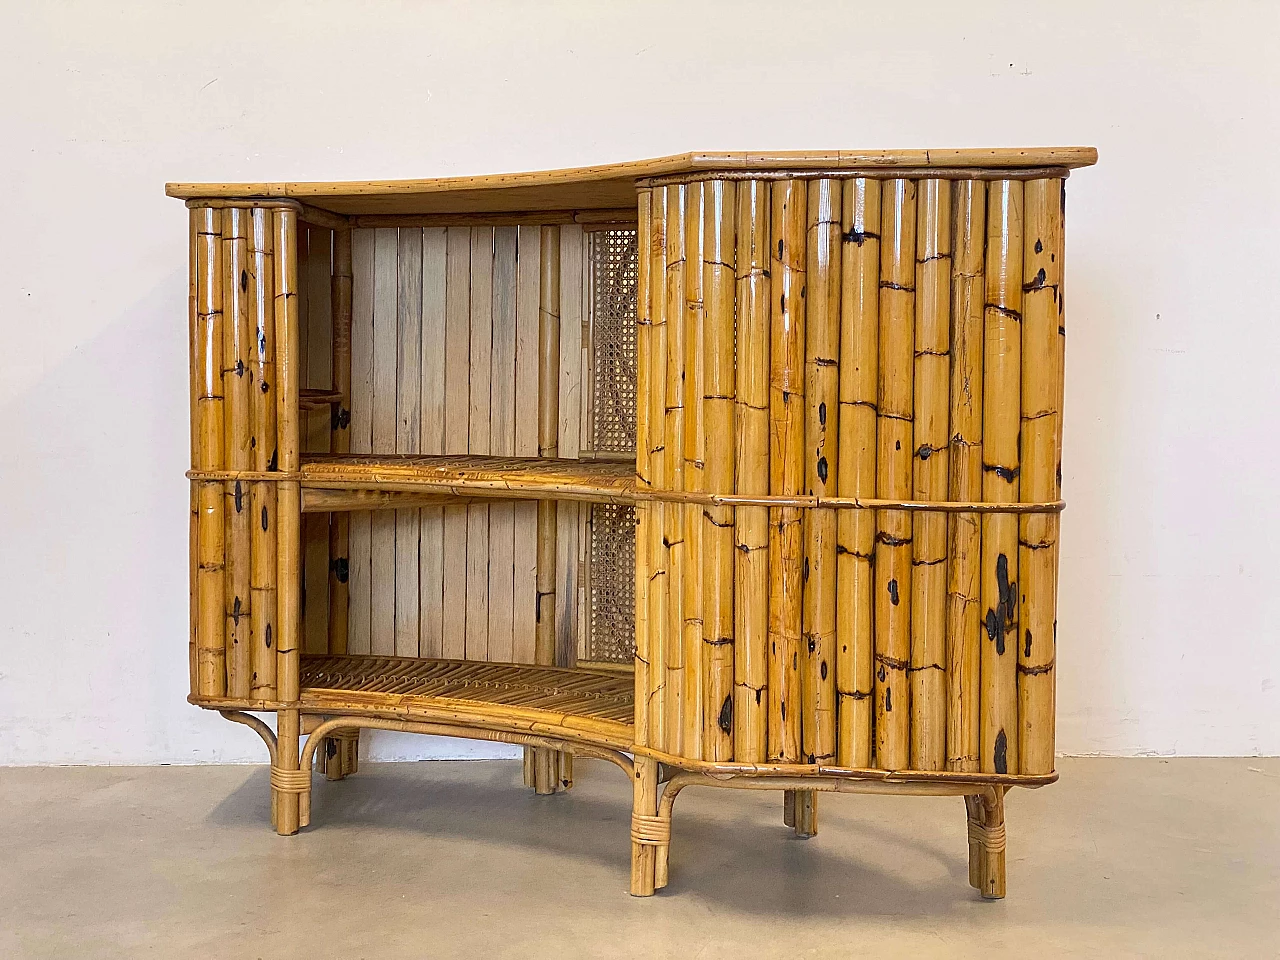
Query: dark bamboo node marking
[716,641]
[924,452]
[1008,474]
[1039,416]
[1038,544]
[889,540]
[870,404]
[890,662]
[856,694]
[1030,671]
[927,563]
[1004,311]
[890,285]
[725,525]
[926,666]
[936,256]
[933,353]
[841,549]
[1001,753]
[1039,282]
[718,263]
[718,396]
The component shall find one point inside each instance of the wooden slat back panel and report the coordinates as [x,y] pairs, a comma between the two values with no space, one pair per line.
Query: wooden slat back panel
[445,343]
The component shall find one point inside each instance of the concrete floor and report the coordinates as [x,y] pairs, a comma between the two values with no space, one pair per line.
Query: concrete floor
[1122,858]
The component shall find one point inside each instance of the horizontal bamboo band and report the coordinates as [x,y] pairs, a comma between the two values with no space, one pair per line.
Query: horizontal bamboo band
[726,770]
[657,496]
[652,831]
[848,503]
[868,173]
[990,838]
[290,781]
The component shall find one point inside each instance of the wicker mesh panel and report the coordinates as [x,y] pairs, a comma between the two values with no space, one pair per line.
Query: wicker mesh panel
[613,583]
[613,340]
[611,634]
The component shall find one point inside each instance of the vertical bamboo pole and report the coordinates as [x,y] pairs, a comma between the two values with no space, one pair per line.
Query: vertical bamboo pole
[1001,416]
[718,401]
[893,479]
[210,600]
[786,465]
[644,804]
[340,442]
[856,529]
[289,508]
[237,377]
[964,620]
[193,543]
[546,764]
[751,453]
[928,674]
[656,401]
[673,452]
[644,328]
[821,464]
[262,574]
[1043,335]
[693,444]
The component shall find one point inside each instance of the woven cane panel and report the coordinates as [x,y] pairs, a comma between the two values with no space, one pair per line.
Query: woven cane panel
[613,582]
[611,633]
[613,340]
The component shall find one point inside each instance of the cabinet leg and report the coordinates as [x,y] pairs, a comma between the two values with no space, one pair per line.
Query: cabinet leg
[789,808]
[290,795]
[341,754]
[648,835]
[805,813]
[986,843]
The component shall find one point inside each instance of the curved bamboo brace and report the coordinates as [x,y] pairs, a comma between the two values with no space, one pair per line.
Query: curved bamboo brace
[257,726]
[441,730]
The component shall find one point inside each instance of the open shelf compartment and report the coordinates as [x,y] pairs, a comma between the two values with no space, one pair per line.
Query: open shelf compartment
[506,696]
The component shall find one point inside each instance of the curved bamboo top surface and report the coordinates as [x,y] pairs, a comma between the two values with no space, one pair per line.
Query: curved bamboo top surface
[612,186]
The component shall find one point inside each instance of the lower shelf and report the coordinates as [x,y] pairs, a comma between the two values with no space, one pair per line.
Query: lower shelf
[502,696]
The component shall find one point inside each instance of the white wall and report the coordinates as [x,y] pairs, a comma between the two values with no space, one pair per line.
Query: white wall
[1168,624]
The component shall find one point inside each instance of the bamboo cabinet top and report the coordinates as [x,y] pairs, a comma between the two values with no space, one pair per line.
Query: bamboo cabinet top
[612,186]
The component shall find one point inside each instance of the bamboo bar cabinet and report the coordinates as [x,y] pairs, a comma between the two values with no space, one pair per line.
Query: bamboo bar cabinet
[735,470]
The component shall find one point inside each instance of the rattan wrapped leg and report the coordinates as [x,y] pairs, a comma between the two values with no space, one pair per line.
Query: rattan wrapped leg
[648,837]
[987,843]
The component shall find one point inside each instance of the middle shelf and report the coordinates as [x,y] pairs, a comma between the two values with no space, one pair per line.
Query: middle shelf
[359,481]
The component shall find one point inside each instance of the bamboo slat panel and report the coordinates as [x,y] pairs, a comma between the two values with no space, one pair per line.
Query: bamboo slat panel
[896,342]
[445,362]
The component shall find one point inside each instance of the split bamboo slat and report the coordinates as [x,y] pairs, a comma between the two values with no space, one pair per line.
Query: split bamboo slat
[644,478]
[894,456]
[1043,334]
[822,403]
[237,384]
[1001,420]
[674,517]
[262,575]
[751,673]
[718,427]
[848,429]
[653,294]
[209,450]
[315,377]
[340,443]
[930,443]
[964,533]
[431,614]
[408,419]
[856,474]
[693,444]
[786,464]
